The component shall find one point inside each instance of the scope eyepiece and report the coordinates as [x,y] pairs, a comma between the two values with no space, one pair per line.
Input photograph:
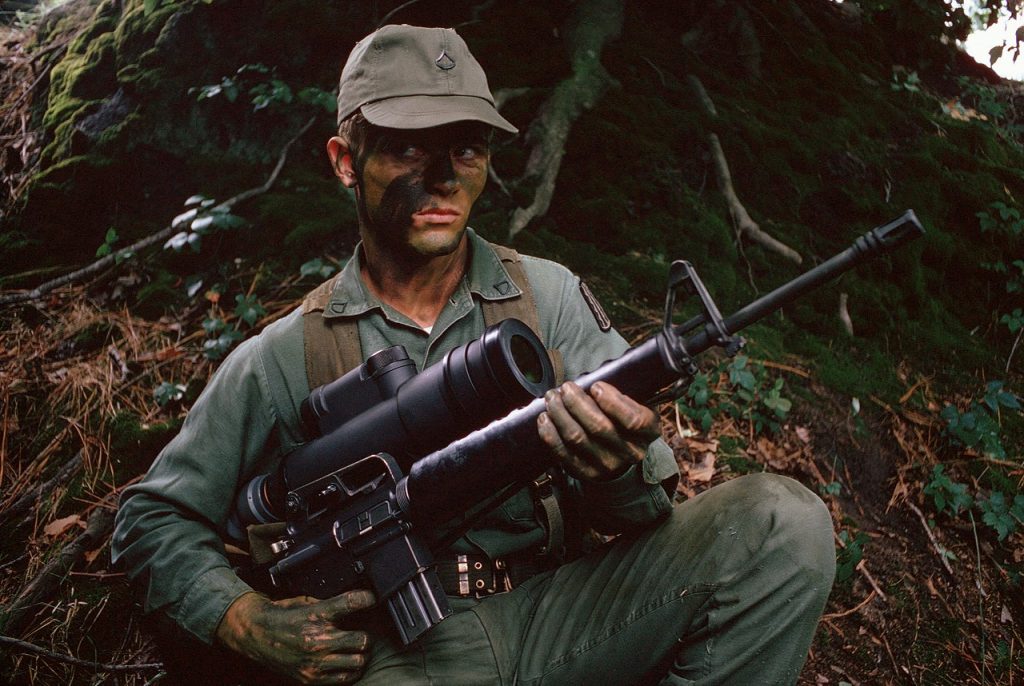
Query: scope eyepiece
[379,378]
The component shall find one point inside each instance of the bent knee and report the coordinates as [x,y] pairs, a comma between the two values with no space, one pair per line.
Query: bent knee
[800,523]
[771,514]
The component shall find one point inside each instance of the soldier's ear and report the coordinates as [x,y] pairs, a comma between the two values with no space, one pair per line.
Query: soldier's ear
[340,154]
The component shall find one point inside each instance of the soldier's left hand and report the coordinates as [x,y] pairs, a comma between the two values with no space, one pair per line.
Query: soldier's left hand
[597,435]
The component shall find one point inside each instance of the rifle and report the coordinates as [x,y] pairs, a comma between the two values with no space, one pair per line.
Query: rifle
[359,509]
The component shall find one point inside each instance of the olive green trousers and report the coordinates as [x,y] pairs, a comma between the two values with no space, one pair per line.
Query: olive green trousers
[727,590]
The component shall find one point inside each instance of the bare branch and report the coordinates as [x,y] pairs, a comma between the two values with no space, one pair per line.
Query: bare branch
[745,225]
[154,239]
[741,219]
[844,313]
[99,526]
[97,666]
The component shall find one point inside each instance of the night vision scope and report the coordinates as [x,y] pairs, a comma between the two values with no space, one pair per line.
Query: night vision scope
[385,406]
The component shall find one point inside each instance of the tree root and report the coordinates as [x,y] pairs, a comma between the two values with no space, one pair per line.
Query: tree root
[592,24]
[25,503]
[844,313]
[97,529]
[745,226]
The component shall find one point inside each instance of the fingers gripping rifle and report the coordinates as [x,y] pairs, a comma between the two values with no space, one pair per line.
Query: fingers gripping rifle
[359,516]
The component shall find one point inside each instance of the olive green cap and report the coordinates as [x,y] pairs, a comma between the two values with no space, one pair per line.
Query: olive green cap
[411,77]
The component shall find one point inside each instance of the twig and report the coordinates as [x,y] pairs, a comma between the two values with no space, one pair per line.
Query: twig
[863,569]
[745,225]
[158,237]
[1016,342]
[100,523]
[395,11]
[935,543]
[981,595]
[97,666]
[741,219]
[14,561]
[861,566]
[837,615]
[25,502]
[844,313]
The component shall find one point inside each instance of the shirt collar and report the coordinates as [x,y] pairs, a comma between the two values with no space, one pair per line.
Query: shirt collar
[486,277]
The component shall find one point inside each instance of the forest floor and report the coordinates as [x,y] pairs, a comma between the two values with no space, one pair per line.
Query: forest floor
[915,602]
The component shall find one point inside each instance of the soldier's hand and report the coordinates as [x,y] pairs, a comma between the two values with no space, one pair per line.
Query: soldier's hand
[597,435]
[300,637]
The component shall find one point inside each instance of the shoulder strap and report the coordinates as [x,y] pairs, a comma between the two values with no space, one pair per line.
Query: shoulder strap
[522,307]
[331,348]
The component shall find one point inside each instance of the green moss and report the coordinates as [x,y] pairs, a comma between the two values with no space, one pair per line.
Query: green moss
[84,76]
[161,294]
[134,445]
[138,29]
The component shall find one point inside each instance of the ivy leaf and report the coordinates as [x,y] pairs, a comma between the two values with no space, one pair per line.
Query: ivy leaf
[249,309]
[213,325]
[780,406]
[995,53]
[317,267]
[216,348]
[193,285]
[167,393]
[177,241]
[184,218]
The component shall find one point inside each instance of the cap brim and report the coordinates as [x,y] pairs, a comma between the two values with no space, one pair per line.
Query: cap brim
[425,111]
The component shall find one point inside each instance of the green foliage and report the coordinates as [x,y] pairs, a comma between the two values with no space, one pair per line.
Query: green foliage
[265,90]
[1014,320]
[1001,514]
[203,218]
[906,81]
[1001,218]
[107,247]
[833,488]
[249,309]
[221,342]
[221,336]
[848,557]
[751,395]
[978,427]
[317,267]
[167,393]
[947,494]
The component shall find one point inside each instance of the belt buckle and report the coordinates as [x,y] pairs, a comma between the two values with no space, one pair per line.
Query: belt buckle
[479,588]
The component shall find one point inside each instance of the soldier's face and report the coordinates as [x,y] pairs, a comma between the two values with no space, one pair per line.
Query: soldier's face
[416,188]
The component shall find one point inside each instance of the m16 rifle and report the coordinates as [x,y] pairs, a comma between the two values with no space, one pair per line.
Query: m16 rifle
[361,502]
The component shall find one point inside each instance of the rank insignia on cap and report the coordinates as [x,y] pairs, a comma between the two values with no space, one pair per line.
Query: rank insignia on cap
[444,61]
[603,322]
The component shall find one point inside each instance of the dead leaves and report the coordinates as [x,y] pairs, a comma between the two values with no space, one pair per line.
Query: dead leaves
[59,526]
[700,460]
[956,110]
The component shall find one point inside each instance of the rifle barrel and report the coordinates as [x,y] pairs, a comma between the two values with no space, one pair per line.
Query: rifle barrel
[445,483]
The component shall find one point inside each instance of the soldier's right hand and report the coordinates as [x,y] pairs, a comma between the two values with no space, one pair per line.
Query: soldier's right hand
[300,637]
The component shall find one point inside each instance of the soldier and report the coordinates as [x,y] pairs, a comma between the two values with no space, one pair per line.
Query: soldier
[725,588]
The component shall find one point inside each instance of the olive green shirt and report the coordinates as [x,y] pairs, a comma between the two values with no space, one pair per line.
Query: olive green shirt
[169,525]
